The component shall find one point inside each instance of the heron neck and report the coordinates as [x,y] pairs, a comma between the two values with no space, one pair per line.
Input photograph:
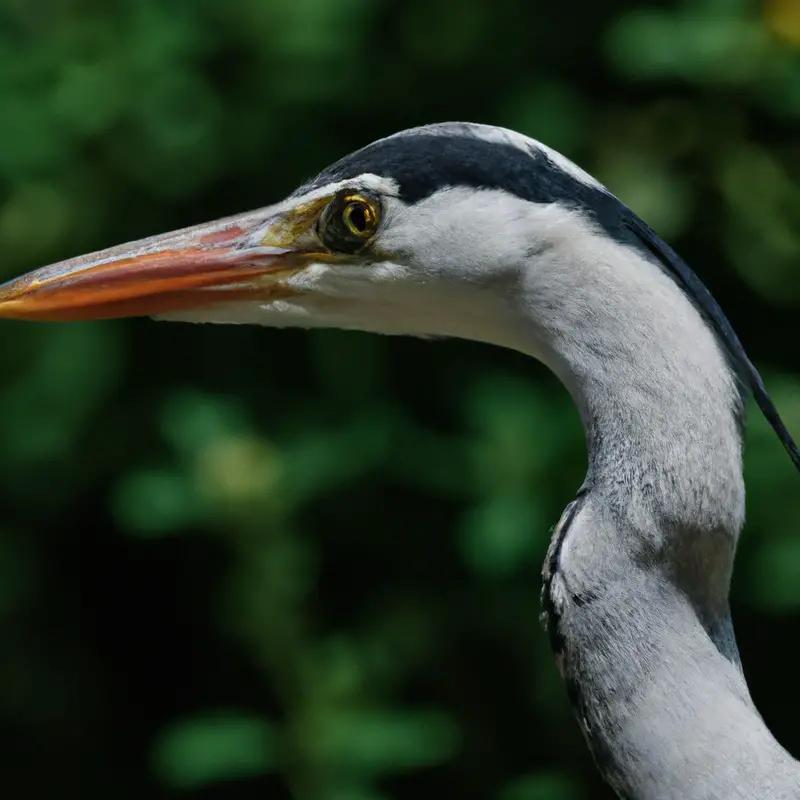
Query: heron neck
[635,594]
[637,578]
[653,673]
[661,407]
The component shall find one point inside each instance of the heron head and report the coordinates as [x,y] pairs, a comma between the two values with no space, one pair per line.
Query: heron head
[423,233]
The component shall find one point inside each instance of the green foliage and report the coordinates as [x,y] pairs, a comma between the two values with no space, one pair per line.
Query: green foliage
[216,747]
[371,744]
[240,561]
[540,787]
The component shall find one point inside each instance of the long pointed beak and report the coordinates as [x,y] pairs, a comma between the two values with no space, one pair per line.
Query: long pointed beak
[232,259]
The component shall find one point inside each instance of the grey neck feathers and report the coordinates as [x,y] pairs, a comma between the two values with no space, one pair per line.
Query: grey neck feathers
[636,581]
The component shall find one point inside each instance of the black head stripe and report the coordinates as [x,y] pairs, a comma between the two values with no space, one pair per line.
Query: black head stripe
[423,164]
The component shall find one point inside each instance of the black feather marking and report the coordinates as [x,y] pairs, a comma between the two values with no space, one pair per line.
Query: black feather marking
[602,753]
[425,163]
[550,616]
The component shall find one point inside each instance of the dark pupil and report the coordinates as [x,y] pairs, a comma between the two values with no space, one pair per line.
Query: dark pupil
[356,216]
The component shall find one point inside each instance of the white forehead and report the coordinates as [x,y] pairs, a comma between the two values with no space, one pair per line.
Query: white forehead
[498,135]
[367,182]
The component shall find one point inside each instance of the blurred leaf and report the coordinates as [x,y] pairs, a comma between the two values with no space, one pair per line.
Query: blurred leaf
[376,743]
[781,94]
[654,191]
[33,219]
[771,479]
[520,430]
[192,420]
[775,571]
[238,471]
[502,535]
[550,112]
[57,392]
[214,747]
[541,787]
[321,460]
[155,502]
[697,44]
[87,97]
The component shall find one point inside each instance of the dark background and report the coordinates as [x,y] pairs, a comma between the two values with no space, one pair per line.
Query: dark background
[240,563]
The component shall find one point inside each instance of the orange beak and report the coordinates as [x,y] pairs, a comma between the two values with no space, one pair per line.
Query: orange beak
[239,258]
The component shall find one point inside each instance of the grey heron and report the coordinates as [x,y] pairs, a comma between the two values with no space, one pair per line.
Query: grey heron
[477,232]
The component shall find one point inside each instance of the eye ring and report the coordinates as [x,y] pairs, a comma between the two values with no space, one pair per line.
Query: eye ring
[359,217]
[349,222]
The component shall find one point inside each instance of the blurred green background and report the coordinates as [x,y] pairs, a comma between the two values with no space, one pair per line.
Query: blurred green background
[240,563]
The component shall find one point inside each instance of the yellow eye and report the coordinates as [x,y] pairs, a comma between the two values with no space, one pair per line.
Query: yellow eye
[359,217]
[349,222]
